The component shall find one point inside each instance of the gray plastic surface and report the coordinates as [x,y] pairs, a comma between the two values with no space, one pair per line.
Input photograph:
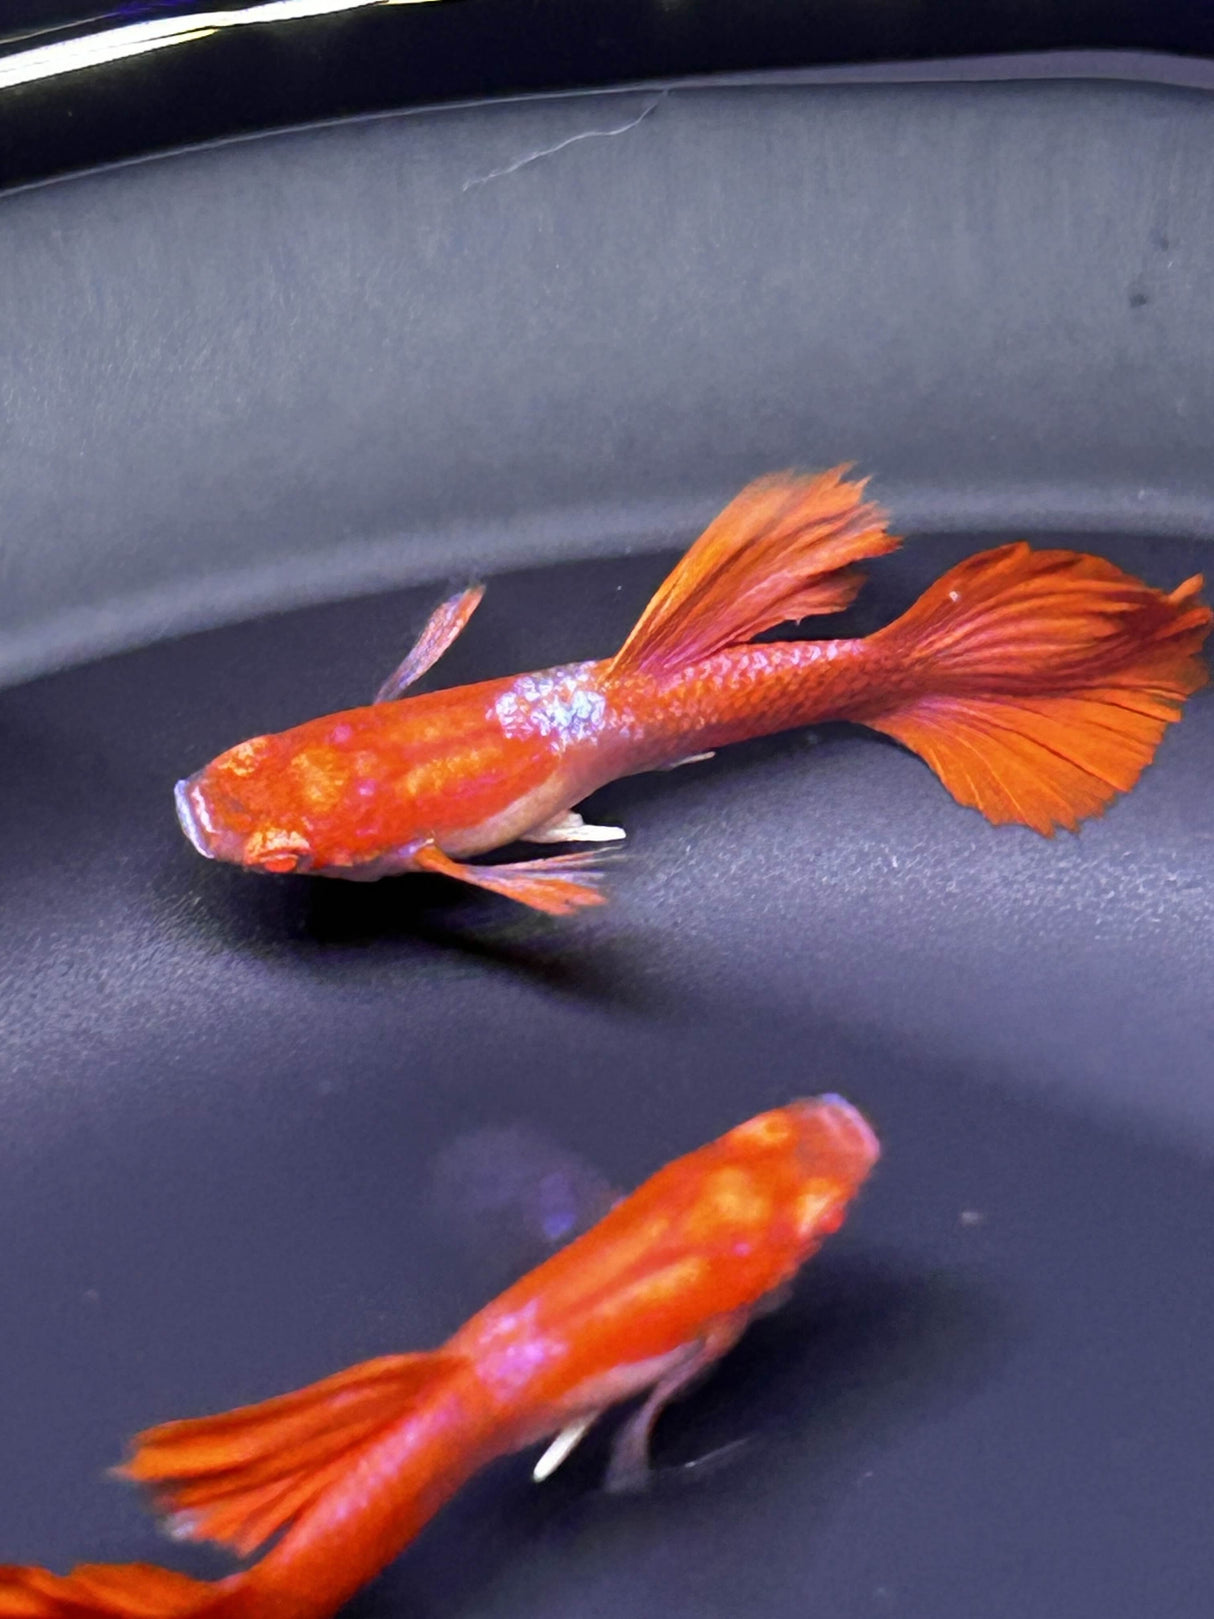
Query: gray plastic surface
[307,366]
[310,364]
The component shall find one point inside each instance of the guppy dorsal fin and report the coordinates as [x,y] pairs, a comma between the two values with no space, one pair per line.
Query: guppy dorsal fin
[442,627]
[782,549]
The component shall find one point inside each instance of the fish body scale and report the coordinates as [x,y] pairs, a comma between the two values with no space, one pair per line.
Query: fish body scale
[741,693]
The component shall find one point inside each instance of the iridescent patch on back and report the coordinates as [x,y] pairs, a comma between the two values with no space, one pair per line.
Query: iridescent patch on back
[555,703]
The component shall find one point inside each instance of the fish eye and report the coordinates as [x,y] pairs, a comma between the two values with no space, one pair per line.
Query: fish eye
[280,863]
[275,849]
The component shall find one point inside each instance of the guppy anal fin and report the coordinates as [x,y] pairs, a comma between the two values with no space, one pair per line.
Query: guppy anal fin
[691,759]
[565,1443]
[548,885]
[571,828]
[442,627]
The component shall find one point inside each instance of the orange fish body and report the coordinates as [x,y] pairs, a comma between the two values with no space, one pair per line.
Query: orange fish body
[348,1470]
[1037,684]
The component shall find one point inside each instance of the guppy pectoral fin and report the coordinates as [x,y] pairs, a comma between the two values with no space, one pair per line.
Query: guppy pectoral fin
[442,628]
[629,1469]
[545,885]
[571,828]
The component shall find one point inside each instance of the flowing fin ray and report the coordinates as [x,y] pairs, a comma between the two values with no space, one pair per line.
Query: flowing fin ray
[555,885]
[240,1477]
[444,625]
[783,549]
[108,1591]
[1048,680]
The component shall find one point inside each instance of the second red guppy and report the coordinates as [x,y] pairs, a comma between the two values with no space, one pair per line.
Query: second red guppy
[348,1471]
[1037,685]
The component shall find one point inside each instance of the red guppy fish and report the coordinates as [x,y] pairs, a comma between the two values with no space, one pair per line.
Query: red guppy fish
[1036,684]
[348,1470]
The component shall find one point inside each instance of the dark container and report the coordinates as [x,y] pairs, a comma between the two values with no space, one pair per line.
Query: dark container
[259,404]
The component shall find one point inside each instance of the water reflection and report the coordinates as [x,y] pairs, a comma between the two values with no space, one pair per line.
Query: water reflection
[506,1197]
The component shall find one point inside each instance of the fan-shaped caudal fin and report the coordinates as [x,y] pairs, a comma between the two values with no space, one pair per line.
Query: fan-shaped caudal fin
[111,1591]
[1046,681]
[781,550]
[240,1477]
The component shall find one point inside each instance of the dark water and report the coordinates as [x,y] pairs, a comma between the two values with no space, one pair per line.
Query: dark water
[228,1105]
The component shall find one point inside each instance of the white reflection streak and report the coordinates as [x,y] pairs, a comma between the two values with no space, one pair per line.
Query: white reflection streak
[134,39]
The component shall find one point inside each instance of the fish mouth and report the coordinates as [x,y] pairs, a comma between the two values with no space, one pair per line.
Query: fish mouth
[190,815]
[847,1128]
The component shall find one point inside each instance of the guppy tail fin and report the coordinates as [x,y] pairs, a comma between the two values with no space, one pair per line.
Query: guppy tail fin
[243,1476]
[783,549]
[1046,681]
[240,1477]
[112,1591]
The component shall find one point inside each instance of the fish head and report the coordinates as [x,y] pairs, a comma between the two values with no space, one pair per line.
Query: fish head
[835,1150]
[245,808]
[806,1162]
[353,794]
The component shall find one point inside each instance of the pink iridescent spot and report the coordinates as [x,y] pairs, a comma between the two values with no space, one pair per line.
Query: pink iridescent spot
[341,734]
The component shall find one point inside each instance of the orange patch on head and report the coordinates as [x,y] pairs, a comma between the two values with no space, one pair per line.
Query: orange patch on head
[767,1130]
[819,1208]
[244,758]
[731,1201]
[321,775]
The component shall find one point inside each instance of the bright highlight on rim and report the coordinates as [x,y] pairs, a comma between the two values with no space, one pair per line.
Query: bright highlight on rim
[137,39]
